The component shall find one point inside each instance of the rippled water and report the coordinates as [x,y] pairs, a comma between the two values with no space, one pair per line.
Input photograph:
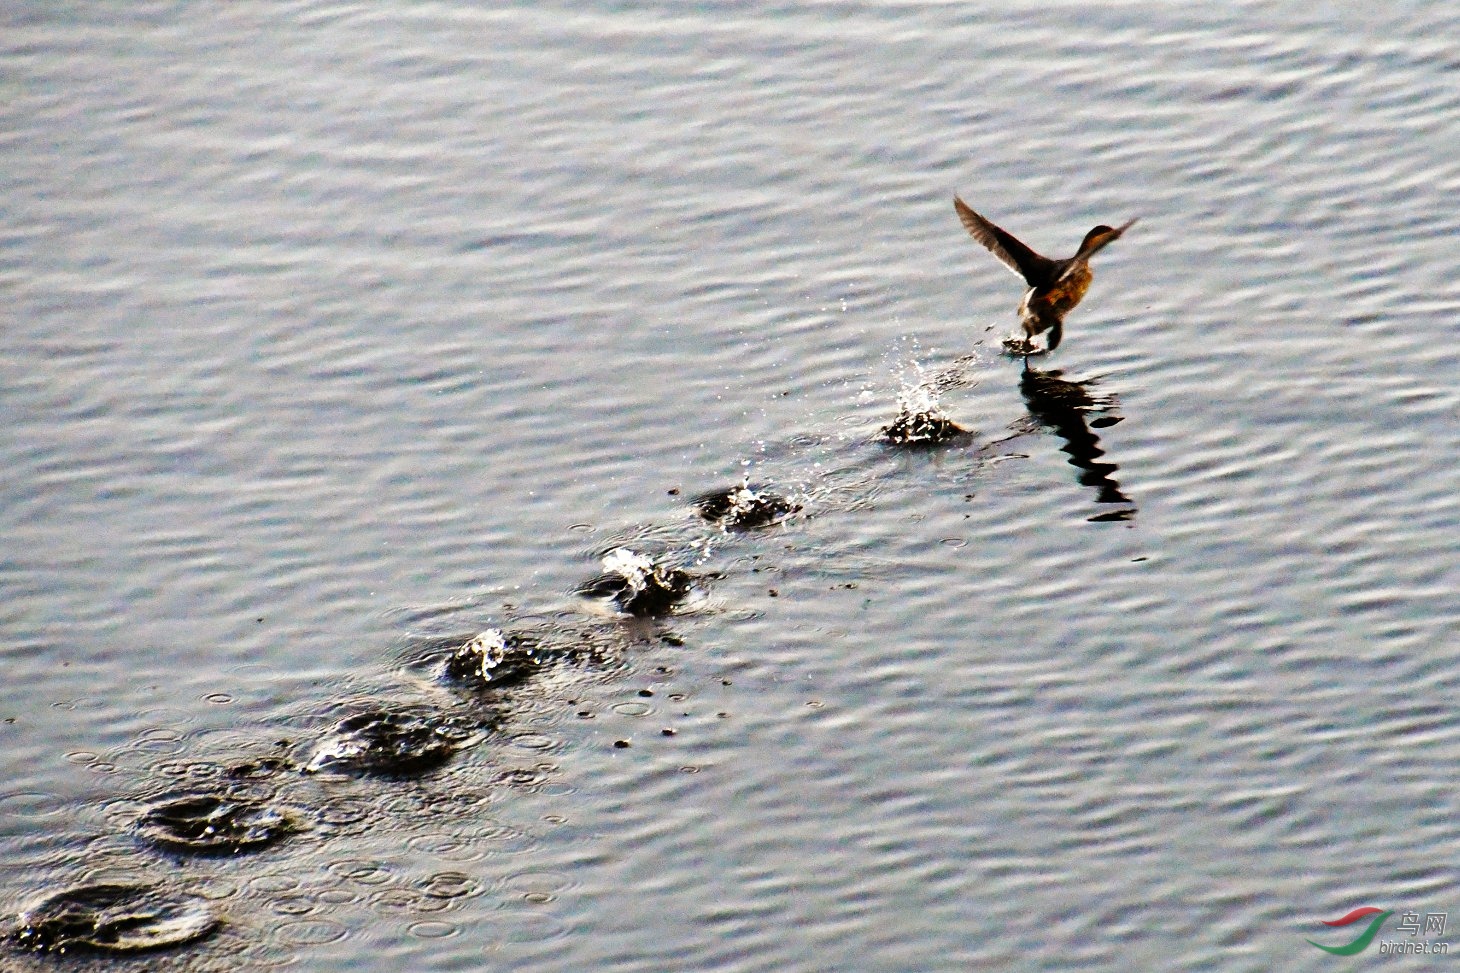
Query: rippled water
[331,327]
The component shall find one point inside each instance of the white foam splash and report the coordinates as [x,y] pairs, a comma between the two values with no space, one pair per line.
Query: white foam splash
[633,567]
[490,647]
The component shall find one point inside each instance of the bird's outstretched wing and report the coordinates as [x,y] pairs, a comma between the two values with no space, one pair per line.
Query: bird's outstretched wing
[1035,270]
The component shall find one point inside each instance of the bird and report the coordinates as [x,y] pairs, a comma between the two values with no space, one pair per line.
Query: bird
[1055,286]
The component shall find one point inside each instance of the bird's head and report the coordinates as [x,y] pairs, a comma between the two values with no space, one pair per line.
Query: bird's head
[1099,236]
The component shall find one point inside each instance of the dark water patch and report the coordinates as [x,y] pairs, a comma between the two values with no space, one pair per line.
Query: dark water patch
[214,823]
[743,507]
[495,659]
[925,427]
[112,918]
[393,742]
[921,420]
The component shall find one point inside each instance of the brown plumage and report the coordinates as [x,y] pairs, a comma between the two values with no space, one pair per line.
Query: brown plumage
[1055,286]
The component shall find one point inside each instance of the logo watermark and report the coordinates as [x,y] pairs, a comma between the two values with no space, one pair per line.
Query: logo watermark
[1409,924]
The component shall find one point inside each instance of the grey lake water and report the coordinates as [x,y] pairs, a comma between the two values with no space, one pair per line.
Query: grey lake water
[335,333]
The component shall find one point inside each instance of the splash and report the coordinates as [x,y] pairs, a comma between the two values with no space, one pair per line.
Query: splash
[921,420]
[639,585]
[492,659]
[744,507]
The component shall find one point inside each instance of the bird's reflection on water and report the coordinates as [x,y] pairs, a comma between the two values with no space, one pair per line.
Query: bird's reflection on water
[1065,406]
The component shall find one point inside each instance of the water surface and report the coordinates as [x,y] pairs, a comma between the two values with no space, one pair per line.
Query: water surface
[331,327]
